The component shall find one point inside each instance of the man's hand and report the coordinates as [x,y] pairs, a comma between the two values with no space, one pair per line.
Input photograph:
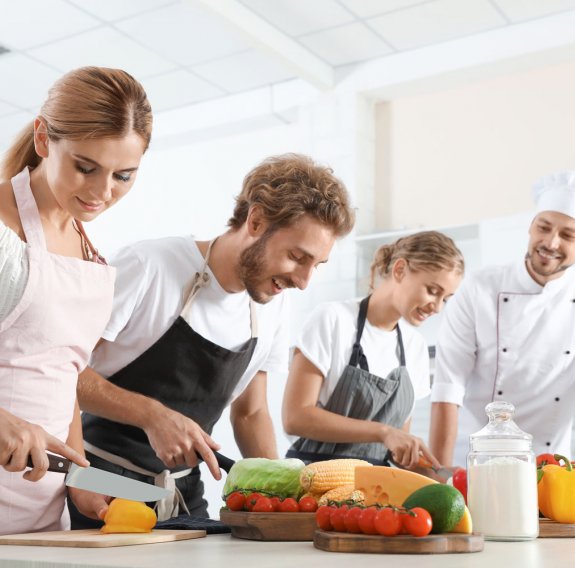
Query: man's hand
[92,505]
[176,438]
[20,439]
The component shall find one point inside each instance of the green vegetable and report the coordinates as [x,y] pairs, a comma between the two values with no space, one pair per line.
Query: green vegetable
[272,477]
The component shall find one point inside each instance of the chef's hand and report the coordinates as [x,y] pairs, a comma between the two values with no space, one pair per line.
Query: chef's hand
[20,439]
[175,438]
[90,504]
[406,449]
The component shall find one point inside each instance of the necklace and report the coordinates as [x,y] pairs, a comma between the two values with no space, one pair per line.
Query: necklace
[86,250]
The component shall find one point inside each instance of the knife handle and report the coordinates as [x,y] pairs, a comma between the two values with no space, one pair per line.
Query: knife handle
[224,462]
[55,463]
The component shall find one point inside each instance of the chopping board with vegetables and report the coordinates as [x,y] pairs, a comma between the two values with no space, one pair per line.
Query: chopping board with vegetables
[94,538]
[551,529]
[270,526]
[400,544]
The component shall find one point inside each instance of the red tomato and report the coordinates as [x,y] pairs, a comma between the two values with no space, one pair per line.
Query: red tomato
[263,505]
[365,520]
[307,504]
[337,518]
[417,522]
[460,481]
[236,501]
[351,519]
[546,459]
[387,521]
[251,500]
[288,505]
[275,503]
[322,517]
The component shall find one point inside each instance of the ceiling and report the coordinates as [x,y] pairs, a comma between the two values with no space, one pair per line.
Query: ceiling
[189,51]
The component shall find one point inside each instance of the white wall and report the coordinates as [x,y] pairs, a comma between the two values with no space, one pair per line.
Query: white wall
[472,152]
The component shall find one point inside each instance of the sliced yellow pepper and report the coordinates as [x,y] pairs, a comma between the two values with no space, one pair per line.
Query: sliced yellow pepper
[556,491]
[124,516]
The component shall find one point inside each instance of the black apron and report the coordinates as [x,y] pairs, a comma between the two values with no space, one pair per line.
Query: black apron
[185,372]
[362,395]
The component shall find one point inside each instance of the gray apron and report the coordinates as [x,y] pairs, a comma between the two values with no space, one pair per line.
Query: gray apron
[362,395]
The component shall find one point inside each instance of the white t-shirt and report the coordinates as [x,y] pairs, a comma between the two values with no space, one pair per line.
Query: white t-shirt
[13,270]
[153,280]
[328,336]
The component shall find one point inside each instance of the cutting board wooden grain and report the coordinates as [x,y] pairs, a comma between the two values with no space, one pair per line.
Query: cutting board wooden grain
[402,544]
[93,538]
[551,529]
[270,526]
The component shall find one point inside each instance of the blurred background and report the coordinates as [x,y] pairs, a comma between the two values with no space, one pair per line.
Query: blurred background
[436,114]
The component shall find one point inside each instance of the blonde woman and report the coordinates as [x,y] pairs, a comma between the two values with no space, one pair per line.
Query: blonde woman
[77,158]
[357,371]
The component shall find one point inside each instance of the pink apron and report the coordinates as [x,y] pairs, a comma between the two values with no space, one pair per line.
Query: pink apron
[44,343]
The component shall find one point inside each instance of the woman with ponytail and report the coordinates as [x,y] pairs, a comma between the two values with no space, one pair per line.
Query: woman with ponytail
[358,369]
[75,160]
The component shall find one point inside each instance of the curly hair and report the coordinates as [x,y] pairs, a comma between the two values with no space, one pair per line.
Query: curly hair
[426,250]
[289,186]
[89,102]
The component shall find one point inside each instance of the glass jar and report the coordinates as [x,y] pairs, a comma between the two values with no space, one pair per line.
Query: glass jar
[502,478]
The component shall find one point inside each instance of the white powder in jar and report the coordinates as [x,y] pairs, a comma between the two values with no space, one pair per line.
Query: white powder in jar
[502,499]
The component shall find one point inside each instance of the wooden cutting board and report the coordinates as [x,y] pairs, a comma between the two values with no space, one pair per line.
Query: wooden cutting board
[551,529]
[402,544]
[270,526]
[93,538]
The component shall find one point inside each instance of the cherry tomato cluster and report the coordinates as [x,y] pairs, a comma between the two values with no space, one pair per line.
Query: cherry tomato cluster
[385,521]
[259,503]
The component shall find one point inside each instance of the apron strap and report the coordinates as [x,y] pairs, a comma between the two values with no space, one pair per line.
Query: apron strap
[202,279]
[165,508]
[28,210]
[401,348]
[357,354]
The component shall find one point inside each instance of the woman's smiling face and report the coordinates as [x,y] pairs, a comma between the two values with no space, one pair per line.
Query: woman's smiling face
[86,177]
[422,293]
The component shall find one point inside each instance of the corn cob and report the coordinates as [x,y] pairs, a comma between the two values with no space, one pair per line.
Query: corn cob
[346,493]
[319,477]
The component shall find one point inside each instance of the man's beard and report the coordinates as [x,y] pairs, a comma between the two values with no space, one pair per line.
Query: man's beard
[252,265]
[543,271]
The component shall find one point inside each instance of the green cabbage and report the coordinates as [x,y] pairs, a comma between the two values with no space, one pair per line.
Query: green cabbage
[270,477]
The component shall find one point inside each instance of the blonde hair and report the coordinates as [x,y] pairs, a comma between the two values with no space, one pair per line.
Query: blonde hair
[89,102]
[289,186]
[426,250]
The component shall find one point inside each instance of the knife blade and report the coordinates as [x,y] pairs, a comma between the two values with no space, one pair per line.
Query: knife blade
[104,482]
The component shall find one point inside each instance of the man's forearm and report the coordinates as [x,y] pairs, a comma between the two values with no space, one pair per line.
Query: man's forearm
[443,431]
[255,435]
[102,398]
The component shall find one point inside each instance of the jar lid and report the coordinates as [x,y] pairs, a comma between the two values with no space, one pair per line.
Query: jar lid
[501,433]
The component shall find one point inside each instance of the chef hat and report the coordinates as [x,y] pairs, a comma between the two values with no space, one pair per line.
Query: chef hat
[556,192]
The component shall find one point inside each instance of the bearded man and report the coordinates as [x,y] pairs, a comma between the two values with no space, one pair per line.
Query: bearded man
[508,334]
[197,325]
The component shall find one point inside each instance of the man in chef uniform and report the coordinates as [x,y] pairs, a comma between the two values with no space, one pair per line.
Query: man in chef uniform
[508,334]
[197,325]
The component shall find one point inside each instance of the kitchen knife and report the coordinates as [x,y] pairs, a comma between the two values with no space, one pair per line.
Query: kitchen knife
[224,462]
[442,472]
[104,482]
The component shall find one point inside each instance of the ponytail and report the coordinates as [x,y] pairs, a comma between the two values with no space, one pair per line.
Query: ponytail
[20,154]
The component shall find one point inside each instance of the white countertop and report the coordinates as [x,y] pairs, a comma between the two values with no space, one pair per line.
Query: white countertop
[225,551]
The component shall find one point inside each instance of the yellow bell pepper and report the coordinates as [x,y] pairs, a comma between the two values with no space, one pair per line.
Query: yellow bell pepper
[556,491]
[124,516]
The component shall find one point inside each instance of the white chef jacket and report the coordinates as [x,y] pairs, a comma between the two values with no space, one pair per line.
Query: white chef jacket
[505,337]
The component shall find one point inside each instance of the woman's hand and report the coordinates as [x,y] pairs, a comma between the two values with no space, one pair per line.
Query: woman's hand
[90,504]
[20,439]
[406,449]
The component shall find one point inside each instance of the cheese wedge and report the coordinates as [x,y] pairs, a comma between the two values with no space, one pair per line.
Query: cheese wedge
[388,485]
